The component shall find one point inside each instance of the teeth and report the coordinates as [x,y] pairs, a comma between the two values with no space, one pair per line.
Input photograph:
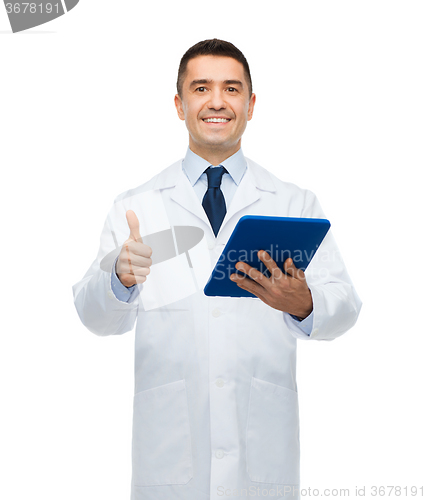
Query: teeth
[216,120]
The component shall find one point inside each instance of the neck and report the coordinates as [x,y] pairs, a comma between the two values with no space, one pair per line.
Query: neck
[214,155]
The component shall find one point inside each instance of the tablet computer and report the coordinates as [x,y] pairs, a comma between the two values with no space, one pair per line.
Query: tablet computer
[281,237]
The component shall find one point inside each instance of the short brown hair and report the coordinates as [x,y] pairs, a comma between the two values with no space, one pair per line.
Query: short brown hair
[212,47]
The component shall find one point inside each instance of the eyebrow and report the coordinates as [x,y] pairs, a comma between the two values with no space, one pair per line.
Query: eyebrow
[205,81]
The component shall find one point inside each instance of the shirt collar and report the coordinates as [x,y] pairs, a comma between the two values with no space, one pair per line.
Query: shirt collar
[194,166]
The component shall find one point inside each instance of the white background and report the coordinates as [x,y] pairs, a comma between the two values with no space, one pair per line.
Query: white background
[87,112]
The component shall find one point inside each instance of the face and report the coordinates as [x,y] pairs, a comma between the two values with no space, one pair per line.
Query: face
[215,105]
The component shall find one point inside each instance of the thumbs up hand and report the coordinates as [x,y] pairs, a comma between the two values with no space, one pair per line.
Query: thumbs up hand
[133,264]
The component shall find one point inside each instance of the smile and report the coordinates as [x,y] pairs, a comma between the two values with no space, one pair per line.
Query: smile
[216,120]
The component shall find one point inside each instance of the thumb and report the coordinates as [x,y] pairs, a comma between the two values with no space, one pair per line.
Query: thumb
[133,224]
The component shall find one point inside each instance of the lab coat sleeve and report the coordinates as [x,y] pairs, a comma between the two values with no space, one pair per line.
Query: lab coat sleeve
[98,307]
[302,327]
[336,305]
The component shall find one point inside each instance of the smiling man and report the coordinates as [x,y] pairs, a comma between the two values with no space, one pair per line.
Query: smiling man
[216,402]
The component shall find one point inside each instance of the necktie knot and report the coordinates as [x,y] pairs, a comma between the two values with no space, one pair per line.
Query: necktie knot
[214,176]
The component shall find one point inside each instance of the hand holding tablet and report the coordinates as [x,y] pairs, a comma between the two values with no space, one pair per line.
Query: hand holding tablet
[286,291]
[288,244]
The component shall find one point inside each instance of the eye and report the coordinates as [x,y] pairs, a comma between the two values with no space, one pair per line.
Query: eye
[201,89]
[231,89]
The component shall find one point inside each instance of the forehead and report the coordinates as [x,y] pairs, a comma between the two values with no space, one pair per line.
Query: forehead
[216,68]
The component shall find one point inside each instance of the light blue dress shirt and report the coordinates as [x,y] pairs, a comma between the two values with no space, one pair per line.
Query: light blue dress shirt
[194,167]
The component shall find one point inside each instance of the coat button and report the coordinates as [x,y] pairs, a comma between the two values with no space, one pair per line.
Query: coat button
[216,312]
[219,454]
[219,382]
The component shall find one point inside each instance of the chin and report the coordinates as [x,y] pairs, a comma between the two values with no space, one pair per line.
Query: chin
[217,141]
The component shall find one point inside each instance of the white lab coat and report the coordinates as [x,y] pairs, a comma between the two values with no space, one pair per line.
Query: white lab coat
[216,404]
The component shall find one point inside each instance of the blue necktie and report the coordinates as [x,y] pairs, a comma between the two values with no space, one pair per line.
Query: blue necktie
[213,201]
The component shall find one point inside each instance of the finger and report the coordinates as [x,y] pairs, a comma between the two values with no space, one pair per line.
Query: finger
[141,271]
[137,248]
[133,224]
[138,260]
[248,284]
[130,279]
[252,273]
[271,265]
[131,264]
[292,270]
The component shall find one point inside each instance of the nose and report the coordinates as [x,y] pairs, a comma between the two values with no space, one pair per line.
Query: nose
[216,100]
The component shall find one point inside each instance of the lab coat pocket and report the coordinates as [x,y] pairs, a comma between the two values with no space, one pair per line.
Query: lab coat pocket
[272,434]
[161,444]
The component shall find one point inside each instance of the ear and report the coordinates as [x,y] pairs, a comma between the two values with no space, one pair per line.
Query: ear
[251,106]
[179,107]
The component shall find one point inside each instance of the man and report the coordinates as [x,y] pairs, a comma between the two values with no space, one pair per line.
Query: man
[216,406]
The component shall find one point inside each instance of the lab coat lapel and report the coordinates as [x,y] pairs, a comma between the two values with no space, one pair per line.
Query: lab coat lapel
[185,196]
[255,180]
[245,195]
[182,192]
